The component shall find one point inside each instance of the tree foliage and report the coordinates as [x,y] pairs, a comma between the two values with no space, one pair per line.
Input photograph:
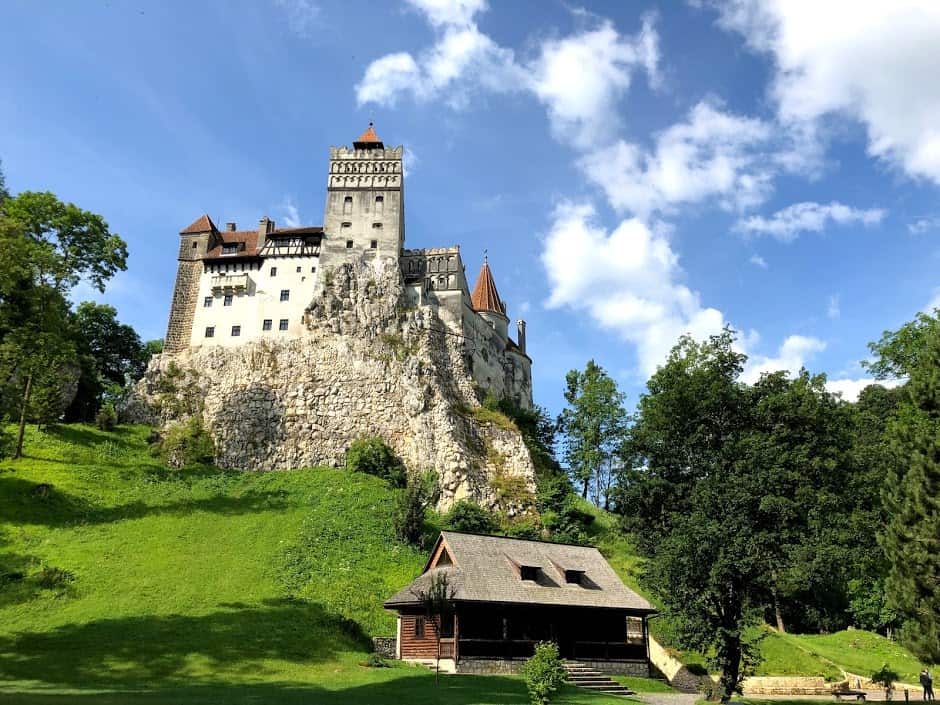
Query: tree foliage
[593,424]
[470,517]
[373,456]
[544,672]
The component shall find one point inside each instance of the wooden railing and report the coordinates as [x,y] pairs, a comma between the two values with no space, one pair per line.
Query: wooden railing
[608,651]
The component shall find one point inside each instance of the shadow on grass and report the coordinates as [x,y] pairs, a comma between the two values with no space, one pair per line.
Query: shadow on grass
[27,502]
[140,652]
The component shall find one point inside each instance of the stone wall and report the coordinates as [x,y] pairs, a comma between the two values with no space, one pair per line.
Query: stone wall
[183,308]
[367,366]
[495,666]
[385,646]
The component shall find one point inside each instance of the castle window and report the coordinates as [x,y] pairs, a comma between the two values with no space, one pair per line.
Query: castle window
[346,225]
[266,324]
[379,204]
[349,244]
[374,244]
[210,331]
[347,205]
[282,324]
[227,301]
[376,226]
[195,244]
[285,294]
[313,270]
[207,302]
[273,271]
[298,270]
[236,331]
[230,249]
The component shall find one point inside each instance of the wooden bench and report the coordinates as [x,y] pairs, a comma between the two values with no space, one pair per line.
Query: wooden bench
[848,693]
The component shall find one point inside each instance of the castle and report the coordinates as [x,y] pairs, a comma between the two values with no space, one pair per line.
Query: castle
[234,286]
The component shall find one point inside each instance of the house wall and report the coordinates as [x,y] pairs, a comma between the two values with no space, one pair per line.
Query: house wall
[491,666]
[412,647]
[259,301]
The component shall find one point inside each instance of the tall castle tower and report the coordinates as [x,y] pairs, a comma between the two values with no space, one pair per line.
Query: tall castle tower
[365,204]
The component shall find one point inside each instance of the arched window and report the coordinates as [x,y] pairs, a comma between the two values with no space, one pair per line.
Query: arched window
[347,205]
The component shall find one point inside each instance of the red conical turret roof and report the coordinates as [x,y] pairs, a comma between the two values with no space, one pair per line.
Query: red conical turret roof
[202,224]
[484,296]
[368,140]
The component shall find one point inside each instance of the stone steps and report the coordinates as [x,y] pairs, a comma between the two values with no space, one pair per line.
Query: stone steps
[588,678]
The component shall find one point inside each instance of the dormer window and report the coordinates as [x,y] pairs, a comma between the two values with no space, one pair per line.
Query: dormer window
[529,572]
[230,249]
[574,577]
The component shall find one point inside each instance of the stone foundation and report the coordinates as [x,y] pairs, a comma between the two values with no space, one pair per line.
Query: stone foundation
[385,646]
[495,666]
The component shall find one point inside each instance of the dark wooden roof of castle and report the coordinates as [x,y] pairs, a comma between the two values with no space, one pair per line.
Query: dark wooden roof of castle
[488,569]
[484,296]
[202,224]
[368,140]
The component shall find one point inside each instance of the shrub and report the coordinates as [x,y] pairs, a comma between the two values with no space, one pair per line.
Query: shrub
[524,528]
[375,661]
[544,673]
[412,505]
[470,517]
[187,443]
[106,418]
[54,578]
[373,456]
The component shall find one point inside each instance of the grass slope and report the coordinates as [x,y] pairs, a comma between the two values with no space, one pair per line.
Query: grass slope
[121,581]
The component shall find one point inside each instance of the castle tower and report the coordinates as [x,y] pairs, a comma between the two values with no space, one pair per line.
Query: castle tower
[195,242]
[365,205]
[485,301]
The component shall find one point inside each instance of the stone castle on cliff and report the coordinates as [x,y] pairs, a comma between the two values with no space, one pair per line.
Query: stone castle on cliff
[291,343]
[235,286]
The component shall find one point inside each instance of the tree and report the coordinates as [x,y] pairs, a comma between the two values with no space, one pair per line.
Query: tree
[4,193]
[437,599]
[411,507]
[898,352]
[593,424]
[912,497]
[470,517]
[544,672]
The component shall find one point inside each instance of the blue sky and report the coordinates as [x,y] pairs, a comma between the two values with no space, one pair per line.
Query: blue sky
[635,170]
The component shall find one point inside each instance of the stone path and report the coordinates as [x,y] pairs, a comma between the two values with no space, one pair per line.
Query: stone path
[668,698]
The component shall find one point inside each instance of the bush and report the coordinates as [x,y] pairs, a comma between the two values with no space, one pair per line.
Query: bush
[470,517]
[187,443]
[412,505]
[544,672]
[375,661]
[106,418]
[886,678]
[372,456]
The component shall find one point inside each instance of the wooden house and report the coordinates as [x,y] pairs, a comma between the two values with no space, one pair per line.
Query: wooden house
[508,594]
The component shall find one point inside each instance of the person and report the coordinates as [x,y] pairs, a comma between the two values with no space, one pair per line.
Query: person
[926,682]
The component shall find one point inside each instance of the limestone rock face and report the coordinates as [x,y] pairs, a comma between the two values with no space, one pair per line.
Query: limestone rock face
[369,366]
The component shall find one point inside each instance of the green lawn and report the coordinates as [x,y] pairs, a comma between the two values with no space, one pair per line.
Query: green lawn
[644,685]
[860,652]
[121,581]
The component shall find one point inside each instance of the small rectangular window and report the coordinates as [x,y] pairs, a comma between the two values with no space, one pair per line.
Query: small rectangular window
[194,245]
[298,269]
[528,572]
[374,244]
[266,324]
[273,271]
[313,270]
[207,302]
[285,294]
[419,627]
[574,576]
[376,226]
[349,244]
[236,331]
[229,249]
[210,331]
[282,324]
[227,301]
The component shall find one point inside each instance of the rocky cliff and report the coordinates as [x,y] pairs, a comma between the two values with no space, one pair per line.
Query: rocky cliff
[369,366]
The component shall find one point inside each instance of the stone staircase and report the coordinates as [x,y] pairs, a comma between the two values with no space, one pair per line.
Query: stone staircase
[584,676]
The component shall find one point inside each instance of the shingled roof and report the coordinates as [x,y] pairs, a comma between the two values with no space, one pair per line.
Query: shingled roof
[484,296]
[202,224]
[487,569]
[368,140]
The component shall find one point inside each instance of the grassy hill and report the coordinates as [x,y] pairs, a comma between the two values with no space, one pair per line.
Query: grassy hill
[122,581]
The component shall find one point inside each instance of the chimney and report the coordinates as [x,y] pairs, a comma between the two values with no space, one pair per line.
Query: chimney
[265,226]
[520,334]
[230,227]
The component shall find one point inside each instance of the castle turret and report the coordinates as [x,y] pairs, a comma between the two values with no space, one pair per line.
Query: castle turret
[365,205]
[485,301]
[195,242]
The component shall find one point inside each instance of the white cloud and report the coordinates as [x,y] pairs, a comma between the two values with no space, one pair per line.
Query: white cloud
[302,15]
[923,225]
[410,161]
[758,261]
[713,155]
[442,13]
[626,281]
[874,62]
[580,78]
[788,223]
[832,309]
[291,215]
[849,389]
[934,303]
[793,355]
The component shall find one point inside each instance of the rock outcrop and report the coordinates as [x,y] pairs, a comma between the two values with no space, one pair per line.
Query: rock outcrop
[368,366]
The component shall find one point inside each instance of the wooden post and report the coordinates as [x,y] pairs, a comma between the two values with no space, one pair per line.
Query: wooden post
[456,638]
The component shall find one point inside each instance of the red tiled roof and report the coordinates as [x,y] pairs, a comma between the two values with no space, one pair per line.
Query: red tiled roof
[247,238]
[202,224]
[368,139]
[484,296]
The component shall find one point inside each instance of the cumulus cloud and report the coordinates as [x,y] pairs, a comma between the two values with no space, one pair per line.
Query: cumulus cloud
[923,225]
[794,353]
[758,261]
[581,103]
[627,281]
[712,155]
[788,223]
[849,389]
[443,13]
[874,62]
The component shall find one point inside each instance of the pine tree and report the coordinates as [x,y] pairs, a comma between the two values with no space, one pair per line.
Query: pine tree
[912,498]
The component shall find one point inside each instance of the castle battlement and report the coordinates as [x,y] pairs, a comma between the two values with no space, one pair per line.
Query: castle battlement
[238,286]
